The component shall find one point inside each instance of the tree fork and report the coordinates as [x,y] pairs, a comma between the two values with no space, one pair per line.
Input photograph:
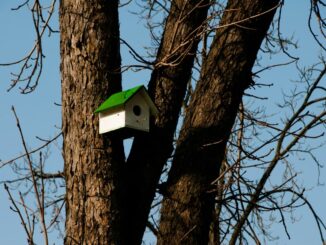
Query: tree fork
[167,86]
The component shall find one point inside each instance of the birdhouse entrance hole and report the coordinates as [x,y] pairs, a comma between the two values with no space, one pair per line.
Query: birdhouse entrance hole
[137,110]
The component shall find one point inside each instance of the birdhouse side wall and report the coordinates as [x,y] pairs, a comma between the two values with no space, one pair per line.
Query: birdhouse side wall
[112,120]
[137,113]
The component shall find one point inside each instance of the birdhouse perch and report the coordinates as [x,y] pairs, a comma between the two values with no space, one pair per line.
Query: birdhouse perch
[127,111]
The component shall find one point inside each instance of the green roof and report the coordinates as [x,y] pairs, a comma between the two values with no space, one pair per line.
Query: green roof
[118,99]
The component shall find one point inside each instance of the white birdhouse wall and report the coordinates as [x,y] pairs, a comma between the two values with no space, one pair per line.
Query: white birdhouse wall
[112,120]
[137,113]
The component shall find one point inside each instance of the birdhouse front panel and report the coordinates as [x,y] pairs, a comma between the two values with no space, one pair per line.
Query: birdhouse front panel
[112,120]
[137,113]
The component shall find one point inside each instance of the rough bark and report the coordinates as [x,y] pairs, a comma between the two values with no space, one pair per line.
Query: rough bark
[90,70]
[167,87]
[188,206]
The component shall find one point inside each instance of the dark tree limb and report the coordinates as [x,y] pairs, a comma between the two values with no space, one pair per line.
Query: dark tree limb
[188,206]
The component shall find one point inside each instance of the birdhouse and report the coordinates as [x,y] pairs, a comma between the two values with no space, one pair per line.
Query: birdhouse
[128,111]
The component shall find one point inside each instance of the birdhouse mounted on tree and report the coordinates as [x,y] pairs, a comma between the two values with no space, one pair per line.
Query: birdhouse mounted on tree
[127,112]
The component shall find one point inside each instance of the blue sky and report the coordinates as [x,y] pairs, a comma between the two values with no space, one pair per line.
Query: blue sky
[39,115]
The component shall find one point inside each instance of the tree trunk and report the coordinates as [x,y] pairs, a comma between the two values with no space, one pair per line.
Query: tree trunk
[90,70]
[167,87]
[188,206]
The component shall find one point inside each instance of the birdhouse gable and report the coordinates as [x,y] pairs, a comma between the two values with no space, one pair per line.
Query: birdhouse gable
[137,113]
[152,107]
[131,109]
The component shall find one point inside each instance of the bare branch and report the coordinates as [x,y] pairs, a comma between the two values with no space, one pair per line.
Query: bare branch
[39,199]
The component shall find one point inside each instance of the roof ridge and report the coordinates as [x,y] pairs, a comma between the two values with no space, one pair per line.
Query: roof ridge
[119,98]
